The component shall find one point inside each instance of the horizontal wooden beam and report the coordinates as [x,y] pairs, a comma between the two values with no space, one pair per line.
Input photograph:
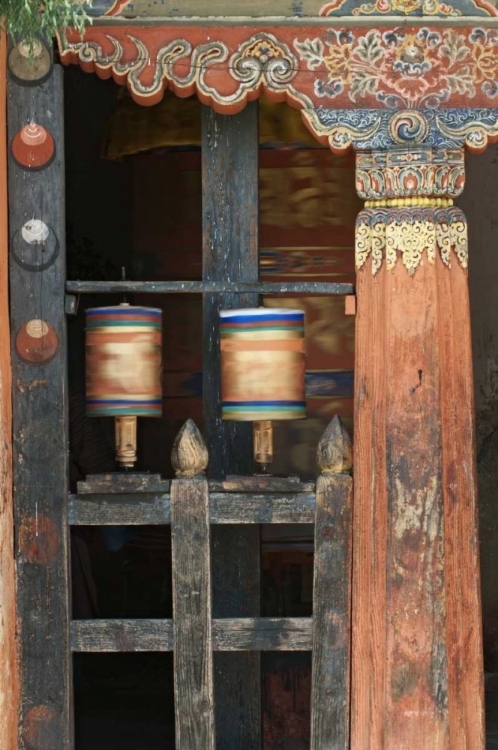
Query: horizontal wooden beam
[120,483]
[224,508]
[207,287]
[244,634]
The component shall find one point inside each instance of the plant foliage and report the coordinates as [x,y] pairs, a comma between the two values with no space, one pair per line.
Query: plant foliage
[29,20]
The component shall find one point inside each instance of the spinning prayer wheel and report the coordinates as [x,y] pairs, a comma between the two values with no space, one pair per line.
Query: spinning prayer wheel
[123,370]
[262,371]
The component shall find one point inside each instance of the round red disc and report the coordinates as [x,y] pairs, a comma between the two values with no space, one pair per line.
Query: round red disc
[33,147]
[37,342]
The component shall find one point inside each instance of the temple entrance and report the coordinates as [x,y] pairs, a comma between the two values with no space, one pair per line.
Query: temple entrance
[150,203]
[134,202]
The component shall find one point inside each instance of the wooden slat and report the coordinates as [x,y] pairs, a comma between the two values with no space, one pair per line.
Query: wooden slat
[224,508]
[245,634]
[331,613]
[119,510]
[41,438]
[95,636]
[261,484]
[120,482]
[100,484]
[9,682]
[241,508]
[263,634]
[193,657]
[230,253]
[208,287]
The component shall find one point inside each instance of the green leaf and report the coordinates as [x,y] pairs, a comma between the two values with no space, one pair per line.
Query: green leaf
[30,20]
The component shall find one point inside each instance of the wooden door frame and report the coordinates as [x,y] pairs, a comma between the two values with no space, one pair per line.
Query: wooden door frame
[300,80]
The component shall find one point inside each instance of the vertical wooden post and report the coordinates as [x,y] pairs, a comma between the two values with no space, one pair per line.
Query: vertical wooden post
[191,564]
[417,673]
[330,696]
[8,665]
[37,279]
[230,253]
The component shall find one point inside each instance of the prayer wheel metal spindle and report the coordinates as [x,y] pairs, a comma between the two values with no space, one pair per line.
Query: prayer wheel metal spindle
[123,370]
[262,371]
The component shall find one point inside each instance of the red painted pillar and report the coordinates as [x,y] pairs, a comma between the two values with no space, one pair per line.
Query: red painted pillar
[8,665]
[417,673]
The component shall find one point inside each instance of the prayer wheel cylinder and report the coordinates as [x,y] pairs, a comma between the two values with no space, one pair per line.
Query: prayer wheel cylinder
[123,369]
[262,370]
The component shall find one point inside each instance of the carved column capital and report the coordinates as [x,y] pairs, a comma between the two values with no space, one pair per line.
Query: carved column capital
[409,212]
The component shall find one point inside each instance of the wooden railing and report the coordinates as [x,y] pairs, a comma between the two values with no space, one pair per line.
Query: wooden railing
[191,505]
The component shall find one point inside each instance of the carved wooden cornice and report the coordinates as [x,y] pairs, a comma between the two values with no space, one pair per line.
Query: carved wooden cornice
[365,87]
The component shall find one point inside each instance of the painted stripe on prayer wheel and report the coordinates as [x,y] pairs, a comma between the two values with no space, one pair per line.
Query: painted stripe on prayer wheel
[123,361]
[262,364]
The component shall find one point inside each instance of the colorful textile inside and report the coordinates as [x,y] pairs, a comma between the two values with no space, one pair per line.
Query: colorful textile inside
[124,361]
[262,364]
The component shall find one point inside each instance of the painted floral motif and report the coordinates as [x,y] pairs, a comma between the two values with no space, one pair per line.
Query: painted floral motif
[401,68]
[407,7]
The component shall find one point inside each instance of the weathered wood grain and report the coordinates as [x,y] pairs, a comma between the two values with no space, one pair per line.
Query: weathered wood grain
[40,440]
[224,508]
[9,684]
[118,636]
[244,634]
[262,634]
[261,483]
[416,689]
[368,669]
[246,508]
[330,691]
[461,543]
[193,657]
[230,253]
[208,287]
[121,482]
[417,652]
[100,484]
[119,510]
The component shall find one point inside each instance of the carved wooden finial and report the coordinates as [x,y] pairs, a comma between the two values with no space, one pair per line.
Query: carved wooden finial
[335,449]
[189,454]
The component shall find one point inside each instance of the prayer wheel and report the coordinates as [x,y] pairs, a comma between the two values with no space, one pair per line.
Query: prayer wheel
[123,370]
[262,371]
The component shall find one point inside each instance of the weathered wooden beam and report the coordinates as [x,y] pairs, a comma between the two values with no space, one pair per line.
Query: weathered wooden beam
[261,483]
[37,280]
[9,684]
[243,634]
[208,287]
[230,253]
[123,483]
[224,508]
[191,568]
[417,674]
[330,676]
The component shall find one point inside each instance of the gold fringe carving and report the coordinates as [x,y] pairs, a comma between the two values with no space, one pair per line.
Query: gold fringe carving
[410,233]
